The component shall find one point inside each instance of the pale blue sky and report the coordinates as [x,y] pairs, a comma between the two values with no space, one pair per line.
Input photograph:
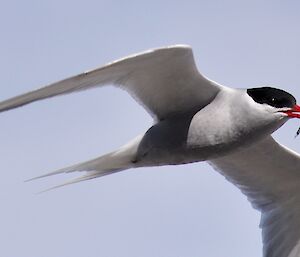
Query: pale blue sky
[184,211]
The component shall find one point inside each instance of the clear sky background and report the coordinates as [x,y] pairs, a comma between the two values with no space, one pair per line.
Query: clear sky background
[183,211]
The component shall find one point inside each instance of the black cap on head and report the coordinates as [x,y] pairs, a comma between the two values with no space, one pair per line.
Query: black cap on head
[272,96]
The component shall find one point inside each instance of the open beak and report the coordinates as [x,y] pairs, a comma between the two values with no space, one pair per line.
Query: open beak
[294,112]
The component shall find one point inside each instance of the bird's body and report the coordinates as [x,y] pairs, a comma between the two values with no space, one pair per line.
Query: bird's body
[207,133]
[196,119]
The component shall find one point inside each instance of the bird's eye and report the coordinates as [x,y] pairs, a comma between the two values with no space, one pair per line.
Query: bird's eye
[273,100]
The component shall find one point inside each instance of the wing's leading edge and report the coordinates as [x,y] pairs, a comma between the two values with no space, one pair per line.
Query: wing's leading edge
[164,80]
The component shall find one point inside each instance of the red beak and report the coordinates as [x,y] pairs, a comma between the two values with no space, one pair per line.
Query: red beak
[294,112]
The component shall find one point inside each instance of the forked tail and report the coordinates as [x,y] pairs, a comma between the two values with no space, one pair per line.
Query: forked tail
[116,161]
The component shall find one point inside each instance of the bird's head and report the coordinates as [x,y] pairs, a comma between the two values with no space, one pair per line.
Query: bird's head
[276,101]
[280,101]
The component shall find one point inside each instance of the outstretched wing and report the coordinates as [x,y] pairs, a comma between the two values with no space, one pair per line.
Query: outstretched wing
[165,81]
[269,175]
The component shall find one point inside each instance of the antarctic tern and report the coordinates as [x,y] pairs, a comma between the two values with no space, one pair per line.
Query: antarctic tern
[196,119]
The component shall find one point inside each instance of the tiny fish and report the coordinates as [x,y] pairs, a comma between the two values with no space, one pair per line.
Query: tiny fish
[298,132]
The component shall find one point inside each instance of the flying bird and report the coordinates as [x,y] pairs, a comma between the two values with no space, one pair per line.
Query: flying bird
[197,119]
